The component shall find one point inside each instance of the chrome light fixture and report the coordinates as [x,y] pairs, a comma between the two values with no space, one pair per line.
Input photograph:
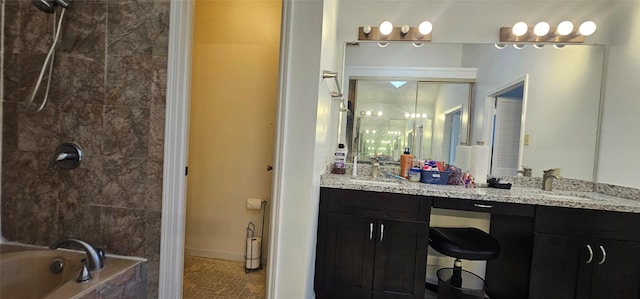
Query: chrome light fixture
[542,33]
[387,33]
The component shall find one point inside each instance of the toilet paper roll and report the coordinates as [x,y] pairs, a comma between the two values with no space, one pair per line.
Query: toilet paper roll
[479,166]
[253,253]
[463,157]
[254,204]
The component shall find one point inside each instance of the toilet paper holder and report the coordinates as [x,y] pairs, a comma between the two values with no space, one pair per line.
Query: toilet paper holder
[253,256]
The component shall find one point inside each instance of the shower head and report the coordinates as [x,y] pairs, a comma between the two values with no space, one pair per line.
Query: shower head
[49,6]
[44,5]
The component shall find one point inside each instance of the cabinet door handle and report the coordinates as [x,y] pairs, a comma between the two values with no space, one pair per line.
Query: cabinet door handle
[590,254]
[477,205]
[370,231]
[381,232]
[604,255]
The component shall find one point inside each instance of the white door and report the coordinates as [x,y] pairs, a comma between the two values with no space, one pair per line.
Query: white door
[506,140]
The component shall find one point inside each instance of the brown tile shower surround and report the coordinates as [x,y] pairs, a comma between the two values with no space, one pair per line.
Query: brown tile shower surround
[108,96]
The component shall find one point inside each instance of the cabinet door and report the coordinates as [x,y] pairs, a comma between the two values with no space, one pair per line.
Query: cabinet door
[400,259]
[348,260]
[616,271]
[560,267]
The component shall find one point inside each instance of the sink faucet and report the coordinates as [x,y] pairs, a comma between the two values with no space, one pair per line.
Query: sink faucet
[526,171]
[547,179]
[375,165]
[95,257]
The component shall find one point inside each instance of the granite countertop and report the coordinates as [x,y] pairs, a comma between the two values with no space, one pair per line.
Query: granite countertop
[517,195]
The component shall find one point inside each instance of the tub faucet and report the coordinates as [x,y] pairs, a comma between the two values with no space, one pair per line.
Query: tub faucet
[95,257]
[67,155]
[547,179]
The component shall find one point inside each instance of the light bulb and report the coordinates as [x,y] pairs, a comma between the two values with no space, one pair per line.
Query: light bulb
[386,27]
[374,131]
[500,46]
[424,115]
[541,29]
[382,44]
[587,28]
[565,28]
[417,45]
[368,113]
[404,29]
[520,29]
[406,115]
[413,115]
[379,113]
[425,28]
[366,29]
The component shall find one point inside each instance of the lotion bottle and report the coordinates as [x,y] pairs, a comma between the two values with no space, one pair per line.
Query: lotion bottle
[406,162]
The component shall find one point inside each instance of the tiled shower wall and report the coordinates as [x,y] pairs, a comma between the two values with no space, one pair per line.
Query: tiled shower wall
[108,96]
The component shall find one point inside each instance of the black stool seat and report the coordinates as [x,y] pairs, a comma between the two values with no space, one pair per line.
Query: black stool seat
[464,243]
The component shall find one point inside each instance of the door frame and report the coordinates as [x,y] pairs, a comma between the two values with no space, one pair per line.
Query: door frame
[489,110]
[448,125]
[176,141]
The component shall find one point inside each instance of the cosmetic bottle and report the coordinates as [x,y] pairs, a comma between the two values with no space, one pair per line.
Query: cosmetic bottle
[406,162]
[340,160]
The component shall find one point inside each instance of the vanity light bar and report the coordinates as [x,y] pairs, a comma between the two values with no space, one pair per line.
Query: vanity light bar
[507,36]
[411,35]
[542,33]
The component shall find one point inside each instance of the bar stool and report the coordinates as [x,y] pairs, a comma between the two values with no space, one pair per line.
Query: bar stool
[462,243]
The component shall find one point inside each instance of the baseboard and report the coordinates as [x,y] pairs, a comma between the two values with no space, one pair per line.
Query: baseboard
[218,254]
[215,254]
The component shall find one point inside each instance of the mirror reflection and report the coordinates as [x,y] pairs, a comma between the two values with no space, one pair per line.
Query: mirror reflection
[536,108]
[422,116]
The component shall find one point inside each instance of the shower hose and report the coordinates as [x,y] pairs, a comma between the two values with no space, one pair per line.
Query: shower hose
[48,62]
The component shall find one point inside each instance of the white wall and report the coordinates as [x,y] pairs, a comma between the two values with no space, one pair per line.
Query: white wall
[304,113]
[563,100]
[618,160]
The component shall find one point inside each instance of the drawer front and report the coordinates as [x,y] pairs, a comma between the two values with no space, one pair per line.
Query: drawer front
[588,223]
[485,206]
[377,204]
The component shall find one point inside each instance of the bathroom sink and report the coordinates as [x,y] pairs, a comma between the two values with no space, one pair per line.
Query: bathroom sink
[375,183]
[567,197]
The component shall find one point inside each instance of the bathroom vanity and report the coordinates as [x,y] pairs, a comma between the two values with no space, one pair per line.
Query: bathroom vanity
[373,240]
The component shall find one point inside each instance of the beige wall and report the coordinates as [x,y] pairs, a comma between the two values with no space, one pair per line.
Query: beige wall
[233,98]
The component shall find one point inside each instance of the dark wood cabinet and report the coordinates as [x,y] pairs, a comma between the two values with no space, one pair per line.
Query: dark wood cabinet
[400,260]
[576,260]
[371,245]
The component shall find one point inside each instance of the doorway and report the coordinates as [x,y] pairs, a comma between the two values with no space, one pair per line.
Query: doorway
[507,111]
[234,81]
[452,128]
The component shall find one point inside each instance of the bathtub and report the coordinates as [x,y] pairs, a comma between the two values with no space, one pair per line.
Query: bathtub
[25,273]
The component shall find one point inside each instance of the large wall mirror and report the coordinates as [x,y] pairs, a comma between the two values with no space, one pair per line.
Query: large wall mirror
[427,117]
[536,107]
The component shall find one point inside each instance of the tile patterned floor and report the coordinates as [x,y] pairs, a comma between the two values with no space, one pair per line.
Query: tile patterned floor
[212,278]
